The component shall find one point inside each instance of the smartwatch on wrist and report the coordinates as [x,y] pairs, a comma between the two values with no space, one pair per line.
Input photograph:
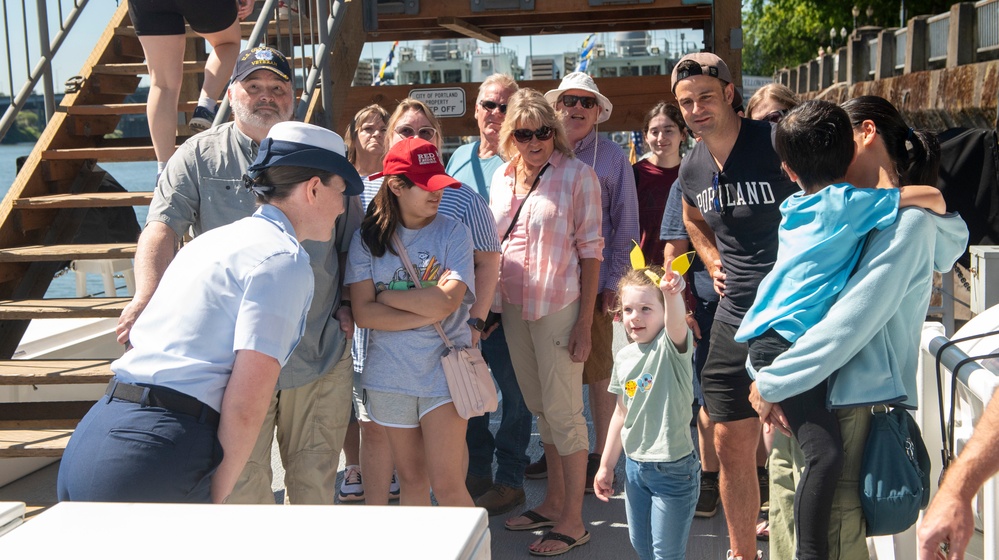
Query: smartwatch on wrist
[477,324]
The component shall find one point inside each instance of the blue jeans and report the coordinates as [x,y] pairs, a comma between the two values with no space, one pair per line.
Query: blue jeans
[514,434]
[127,452]
[660,500]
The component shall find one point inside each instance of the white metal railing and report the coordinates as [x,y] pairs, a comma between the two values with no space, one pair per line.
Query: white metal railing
[48,15]
[901,44]
[873,53]
[987,26]
[976,381]
[938,31]
[295,35]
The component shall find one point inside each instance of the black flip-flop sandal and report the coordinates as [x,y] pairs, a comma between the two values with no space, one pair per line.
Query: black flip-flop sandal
[538,521]
[553,536]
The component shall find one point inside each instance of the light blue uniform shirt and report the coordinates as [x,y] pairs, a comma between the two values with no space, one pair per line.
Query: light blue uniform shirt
[821,236]
[466,166]
[244,286]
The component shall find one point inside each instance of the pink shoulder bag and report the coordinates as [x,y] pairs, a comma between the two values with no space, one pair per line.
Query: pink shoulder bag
[468,378]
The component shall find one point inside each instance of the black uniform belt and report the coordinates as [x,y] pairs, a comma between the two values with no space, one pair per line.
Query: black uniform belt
[151,395]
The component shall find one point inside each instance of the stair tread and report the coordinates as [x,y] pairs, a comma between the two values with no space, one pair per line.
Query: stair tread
[122,108]
[33,443]
[62,308]
[54,372]
[35,253]
[106,154]
[86,200]
[190,66]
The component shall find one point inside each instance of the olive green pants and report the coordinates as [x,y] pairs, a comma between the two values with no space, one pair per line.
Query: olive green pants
[847,532]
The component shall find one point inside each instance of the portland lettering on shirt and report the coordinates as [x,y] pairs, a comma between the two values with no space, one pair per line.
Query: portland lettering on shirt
[749,193]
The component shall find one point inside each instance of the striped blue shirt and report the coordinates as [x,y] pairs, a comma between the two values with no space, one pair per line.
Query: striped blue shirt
[619,200]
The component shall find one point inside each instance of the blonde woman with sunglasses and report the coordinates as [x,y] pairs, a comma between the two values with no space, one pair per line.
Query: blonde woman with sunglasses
[547,208]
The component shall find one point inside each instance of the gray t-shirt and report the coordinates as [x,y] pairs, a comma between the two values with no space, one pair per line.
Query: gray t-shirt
[408,362]
[201,189]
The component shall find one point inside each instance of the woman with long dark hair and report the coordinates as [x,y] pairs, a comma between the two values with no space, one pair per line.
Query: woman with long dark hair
[870,336]
[403,383]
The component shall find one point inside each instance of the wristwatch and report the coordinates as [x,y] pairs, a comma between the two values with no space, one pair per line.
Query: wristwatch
[477,324]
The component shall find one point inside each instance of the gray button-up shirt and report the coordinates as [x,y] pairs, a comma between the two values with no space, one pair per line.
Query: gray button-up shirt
[200,189]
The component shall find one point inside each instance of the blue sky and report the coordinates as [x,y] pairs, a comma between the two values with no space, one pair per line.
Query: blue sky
[97,13]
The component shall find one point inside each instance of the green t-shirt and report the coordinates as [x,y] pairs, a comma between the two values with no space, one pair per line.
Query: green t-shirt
[656,381]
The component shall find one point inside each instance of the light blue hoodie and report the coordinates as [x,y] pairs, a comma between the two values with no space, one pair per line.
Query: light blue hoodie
[868,343]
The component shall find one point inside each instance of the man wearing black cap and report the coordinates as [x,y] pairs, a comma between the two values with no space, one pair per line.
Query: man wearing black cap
[732,189]
[199,190]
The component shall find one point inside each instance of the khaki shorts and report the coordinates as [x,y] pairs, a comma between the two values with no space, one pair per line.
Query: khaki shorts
[600,363]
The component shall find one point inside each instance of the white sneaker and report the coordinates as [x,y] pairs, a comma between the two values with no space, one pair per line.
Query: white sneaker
[351,488]
[394,491]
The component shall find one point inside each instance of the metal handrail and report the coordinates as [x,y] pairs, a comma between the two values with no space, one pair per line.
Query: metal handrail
[43,68]
[333,15]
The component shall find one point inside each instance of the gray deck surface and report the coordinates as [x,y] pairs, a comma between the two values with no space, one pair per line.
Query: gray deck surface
[606,522]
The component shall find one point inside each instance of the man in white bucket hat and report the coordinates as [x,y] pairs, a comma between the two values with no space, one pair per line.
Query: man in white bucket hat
[583,107]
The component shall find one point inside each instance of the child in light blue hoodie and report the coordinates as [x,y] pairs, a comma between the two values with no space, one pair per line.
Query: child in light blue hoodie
[821,237]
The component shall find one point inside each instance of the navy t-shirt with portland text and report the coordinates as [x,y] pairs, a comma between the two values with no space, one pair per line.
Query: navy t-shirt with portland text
[743,210]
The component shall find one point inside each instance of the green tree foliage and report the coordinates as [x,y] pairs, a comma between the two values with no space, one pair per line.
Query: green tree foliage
[26,128]
[781,33]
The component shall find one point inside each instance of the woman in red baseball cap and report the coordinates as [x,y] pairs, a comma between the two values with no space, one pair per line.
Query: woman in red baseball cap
[403,385]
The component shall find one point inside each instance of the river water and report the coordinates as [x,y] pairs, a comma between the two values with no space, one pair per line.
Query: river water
[134,176]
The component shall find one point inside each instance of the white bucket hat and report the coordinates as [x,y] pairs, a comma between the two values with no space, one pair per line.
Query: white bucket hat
[580,80]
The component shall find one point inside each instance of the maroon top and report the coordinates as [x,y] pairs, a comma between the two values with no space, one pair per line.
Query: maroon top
[652,184]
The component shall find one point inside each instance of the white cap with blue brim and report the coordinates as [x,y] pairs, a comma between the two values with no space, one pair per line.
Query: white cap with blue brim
[306,145]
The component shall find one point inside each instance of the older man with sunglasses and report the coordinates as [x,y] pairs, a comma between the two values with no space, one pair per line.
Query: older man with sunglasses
[732,189]
[583,107]
[475,164]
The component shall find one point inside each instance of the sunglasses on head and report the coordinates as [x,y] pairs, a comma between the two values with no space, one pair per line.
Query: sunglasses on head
[492,106]
[586,102]
[775,116]
[427,132]
[523,135]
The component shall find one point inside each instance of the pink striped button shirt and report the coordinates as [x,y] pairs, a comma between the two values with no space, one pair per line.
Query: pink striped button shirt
[563,219]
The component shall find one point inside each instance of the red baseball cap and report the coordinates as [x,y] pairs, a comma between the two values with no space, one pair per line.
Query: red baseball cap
[420,162]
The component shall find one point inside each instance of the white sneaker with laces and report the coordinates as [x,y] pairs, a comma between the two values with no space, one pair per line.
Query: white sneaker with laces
[351,488]
[394,491]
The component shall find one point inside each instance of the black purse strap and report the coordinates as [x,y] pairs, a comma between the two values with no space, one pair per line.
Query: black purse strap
[516,215]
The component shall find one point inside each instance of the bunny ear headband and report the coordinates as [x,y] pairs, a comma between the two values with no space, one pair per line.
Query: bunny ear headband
[679,266]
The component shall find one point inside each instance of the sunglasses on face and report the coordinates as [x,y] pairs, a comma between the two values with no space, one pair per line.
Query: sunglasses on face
[523,135]
[492,106]
[427,132]
[775,116]
[586,102]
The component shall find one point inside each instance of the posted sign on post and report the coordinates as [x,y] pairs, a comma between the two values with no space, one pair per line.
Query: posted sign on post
[444,102]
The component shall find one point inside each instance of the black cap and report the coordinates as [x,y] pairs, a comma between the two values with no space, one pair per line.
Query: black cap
[261,58]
